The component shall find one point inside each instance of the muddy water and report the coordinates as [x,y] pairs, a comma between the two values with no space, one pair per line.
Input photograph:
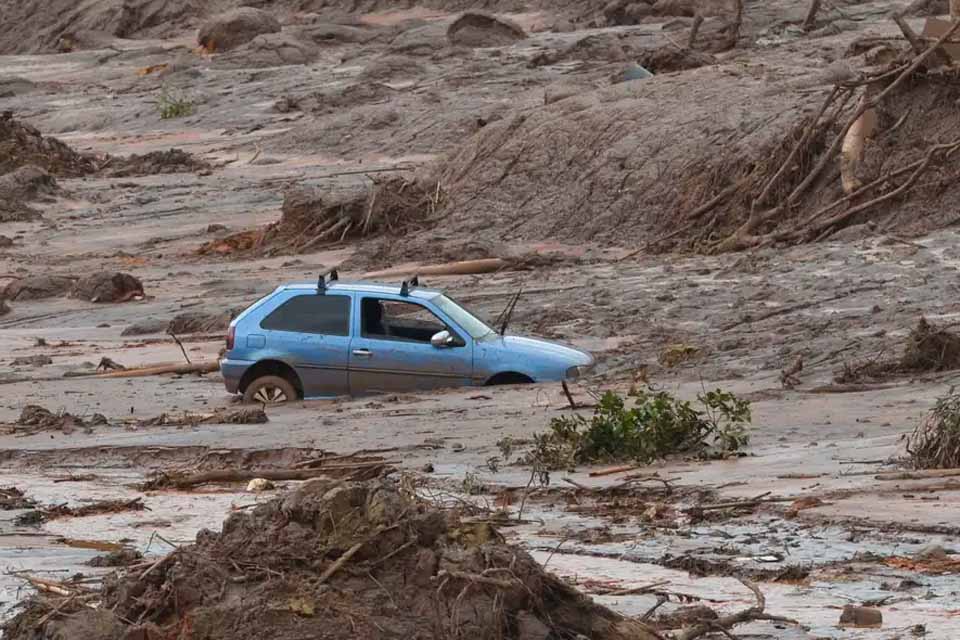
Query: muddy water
[60,548]
[846,567]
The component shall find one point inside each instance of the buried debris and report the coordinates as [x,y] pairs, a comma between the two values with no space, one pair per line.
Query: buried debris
[657,425]
[34,419]
[94,508]
[246,415]
[339,560]
[349,470]
[928,348]
[12,498]
[310,219]
[935,443]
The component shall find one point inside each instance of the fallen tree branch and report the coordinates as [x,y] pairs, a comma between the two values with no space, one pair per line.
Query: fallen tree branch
[811,20]
[755,612]
[919,475]
[162,369]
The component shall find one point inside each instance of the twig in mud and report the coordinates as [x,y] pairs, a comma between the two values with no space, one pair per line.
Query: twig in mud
[797,307]
[60,607]
[661,600]
[180,344]
[342,560]
[553,552]
[566,392]
[694,31]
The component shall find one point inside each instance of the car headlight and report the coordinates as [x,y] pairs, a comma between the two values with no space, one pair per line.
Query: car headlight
[578,371]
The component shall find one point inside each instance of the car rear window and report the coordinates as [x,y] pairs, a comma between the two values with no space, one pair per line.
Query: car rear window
[312,313]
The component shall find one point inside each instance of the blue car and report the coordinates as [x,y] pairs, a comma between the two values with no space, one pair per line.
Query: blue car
[333,338]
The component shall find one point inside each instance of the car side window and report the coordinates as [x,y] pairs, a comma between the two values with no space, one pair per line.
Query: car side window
[396,320]
[311,313]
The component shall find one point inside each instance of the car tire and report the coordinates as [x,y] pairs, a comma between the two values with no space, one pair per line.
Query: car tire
[270,390]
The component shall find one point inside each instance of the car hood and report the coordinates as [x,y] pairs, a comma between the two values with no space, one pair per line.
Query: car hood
[537,347]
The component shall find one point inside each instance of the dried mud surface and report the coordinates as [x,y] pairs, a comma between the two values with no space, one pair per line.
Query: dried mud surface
[540,150]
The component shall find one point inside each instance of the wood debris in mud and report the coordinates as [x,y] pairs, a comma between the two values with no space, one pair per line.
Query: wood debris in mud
[94,508]
[354,471]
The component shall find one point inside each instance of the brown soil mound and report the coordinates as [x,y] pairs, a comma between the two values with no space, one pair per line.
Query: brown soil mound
[229,30]
[156,162]
[484,30]
[37,288]
[22,145]
[271,50]
[108,286]
[31,26]
[202,322]
[340,560]
[623,165]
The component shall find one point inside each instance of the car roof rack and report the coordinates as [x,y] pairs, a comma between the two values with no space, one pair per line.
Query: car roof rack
[322,282]
[406,285]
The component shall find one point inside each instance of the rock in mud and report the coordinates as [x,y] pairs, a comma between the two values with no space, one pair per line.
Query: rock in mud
[107,286]
[327,539]
[34,418]
[625,12]
[5,242]
[234,28]
[32,361]
[681,8]
[861,617]
[4,307]
[37,288]
[477,29]
[202,322]
[145,327]
[273,50]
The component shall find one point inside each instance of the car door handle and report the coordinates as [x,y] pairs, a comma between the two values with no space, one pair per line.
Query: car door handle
[362,353]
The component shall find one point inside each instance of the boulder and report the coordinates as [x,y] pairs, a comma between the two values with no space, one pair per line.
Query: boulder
[861,617]
[107,286]
[477,29]
[229,30]
[37,287]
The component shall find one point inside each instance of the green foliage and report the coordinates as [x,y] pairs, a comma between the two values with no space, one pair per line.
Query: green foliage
[172,105]
[657,425]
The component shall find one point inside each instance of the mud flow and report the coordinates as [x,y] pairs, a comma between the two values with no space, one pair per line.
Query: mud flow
[744,211]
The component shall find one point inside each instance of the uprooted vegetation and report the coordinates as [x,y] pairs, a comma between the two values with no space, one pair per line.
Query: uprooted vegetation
[927,348]
[336,560]
[312,219]
[935,443]
[657,425]
[595,163]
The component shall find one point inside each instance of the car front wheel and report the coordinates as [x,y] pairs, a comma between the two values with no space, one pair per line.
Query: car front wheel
[269,390]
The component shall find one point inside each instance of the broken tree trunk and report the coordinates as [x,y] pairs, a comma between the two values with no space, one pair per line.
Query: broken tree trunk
[854,144]
[955,9]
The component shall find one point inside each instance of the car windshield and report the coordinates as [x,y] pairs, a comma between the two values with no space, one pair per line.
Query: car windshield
[466,320]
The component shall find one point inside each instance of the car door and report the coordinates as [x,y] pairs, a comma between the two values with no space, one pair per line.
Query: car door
[394,353]
[310,331]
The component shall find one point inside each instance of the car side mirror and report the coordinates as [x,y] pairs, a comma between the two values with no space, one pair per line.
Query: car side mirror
[442,339]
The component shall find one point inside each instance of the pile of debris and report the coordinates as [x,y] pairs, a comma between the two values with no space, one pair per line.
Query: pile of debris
[581,169]
[935,443]
[155,163]
[334,560]
[34,419]
[312,219]
[928,348]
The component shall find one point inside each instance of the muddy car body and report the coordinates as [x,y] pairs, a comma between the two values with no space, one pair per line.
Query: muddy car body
[336,338]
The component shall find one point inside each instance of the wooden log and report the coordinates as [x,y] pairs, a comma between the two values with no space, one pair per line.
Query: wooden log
[162,369]
[919,475]
[462,268]
[280,475]
[613,470]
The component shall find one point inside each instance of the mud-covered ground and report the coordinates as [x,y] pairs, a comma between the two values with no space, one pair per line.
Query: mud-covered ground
[400,100]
